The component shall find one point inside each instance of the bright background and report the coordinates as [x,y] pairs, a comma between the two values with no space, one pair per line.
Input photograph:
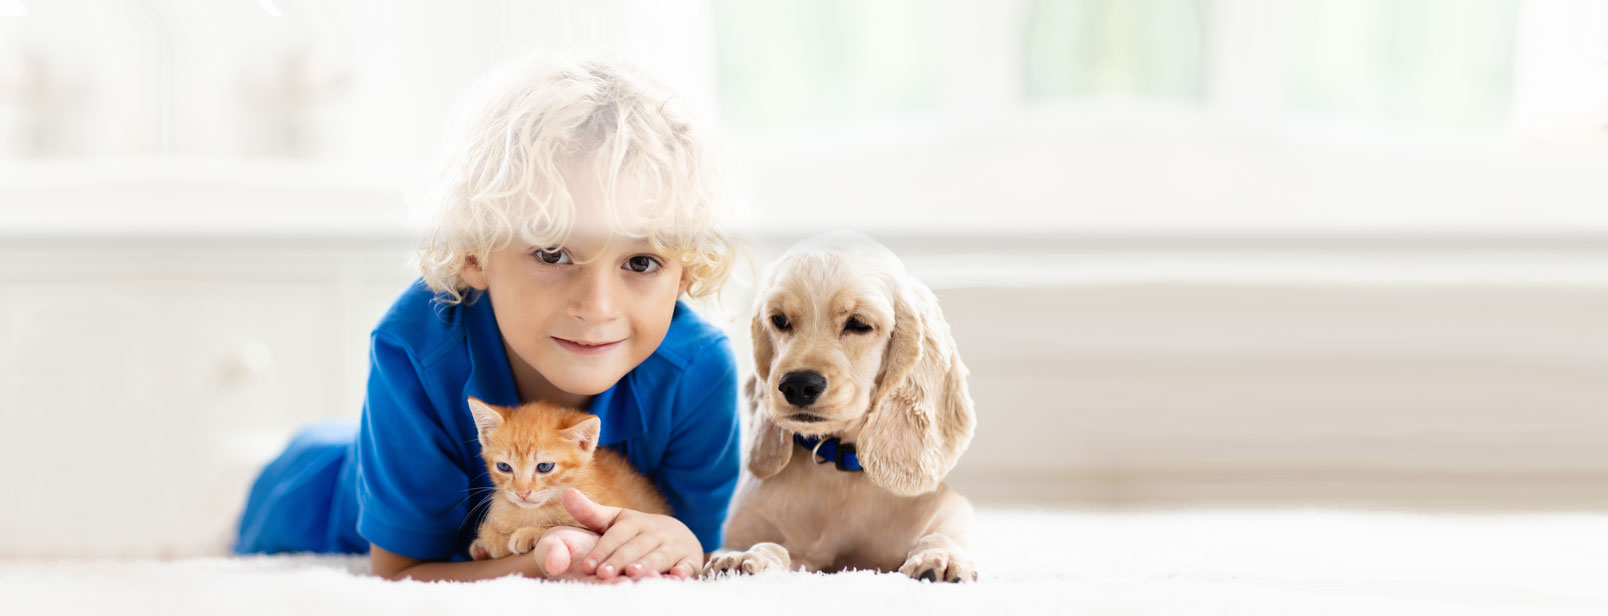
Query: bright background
[1197,253]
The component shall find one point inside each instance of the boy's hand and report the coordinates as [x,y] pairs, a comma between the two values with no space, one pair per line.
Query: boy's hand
[635,544]
[559,552]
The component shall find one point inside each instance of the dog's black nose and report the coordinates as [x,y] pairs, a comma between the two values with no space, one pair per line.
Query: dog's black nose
[802,388]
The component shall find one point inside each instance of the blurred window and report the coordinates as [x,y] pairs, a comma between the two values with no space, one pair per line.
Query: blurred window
[1439,65]
[1444,64]
[1132,48]
[782,63]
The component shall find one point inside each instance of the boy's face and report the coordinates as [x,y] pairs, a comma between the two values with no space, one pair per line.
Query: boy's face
[578,327]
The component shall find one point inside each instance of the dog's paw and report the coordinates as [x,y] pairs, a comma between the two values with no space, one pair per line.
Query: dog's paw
[524,539]
[760,557]
[939,565]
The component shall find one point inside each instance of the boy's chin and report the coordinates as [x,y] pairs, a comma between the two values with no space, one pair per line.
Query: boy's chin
[589,384]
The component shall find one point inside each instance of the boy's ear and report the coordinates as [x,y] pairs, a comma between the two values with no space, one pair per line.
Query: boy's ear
[473,274]
[585,433]
[487,417]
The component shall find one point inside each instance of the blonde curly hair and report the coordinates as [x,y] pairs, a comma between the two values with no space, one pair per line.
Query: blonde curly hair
[519,135]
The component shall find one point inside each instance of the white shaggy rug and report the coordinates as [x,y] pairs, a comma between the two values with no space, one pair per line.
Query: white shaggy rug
[1221,562]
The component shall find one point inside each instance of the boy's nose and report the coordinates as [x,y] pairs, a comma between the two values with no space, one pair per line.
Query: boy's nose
[597,300]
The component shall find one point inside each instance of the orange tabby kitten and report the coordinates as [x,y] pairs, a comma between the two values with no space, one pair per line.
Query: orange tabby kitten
[533,453]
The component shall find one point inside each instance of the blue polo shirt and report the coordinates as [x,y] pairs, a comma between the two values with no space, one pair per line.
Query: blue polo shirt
[409,477]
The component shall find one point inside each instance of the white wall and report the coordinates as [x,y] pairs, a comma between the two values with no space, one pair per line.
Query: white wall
[152,362]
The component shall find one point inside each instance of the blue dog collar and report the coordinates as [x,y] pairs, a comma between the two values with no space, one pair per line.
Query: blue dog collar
[831,450]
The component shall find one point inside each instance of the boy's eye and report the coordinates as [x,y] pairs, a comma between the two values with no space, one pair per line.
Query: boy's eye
[781,322]
[857,326]
[642,264]
[552,256]
[544,467]
[504,467]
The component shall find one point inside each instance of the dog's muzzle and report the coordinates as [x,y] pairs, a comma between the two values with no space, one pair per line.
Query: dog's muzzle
[801,388]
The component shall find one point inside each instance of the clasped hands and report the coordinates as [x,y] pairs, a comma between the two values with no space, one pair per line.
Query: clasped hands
[616,545]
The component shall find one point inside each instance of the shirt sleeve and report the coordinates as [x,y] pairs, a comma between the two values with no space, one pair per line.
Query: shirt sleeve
[702,460]
[412,495]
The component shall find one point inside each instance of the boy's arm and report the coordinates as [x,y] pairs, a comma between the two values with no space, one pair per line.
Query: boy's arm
[559,550]
[398,567]
[699,471]
[409,485]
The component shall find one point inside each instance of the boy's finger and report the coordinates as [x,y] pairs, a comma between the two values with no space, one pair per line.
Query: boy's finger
[626,554]
[597,517]
[656,561]
[605,547]
[687,568]
[554,553]
[643,573]
[558,559]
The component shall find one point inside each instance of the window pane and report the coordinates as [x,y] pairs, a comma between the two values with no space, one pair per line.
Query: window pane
[1092,48]
[1438,63]
[790,63]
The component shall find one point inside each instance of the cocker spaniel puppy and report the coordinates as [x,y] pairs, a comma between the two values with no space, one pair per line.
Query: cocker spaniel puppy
[859,408]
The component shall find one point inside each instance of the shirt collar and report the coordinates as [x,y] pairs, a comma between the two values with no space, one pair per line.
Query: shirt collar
[491,378]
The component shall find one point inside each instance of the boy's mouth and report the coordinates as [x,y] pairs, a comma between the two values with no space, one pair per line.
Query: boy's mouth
[586,348]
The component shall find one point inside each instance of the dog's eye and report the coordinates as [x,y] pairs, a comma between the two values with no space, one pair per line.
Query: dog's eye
[857,326]
[781,322]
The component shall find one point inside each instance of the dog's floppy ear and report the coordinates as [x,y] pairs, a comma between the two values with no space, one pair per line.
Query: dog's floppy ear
[921,416]
[763,351]
[771,447]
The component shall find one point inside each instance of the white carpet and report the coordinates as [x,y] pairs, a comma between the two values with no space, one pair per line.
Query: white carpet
[1261,562]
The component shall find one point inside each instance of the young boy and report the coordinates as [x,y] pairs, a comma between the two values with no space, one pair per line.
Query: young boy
[575,207]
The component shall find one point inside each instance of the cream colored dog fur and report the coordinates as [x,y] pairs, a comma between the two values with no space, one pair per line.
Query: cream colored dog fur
[842,308]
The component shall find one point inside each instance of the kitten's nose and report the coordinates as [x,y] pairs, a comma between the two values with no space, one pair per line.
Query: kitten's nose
[803,387]
[525,495]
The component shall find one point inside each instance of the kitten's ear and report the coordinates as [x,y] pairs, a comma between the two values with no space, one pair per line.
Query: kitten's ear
[487,418]
[585,433]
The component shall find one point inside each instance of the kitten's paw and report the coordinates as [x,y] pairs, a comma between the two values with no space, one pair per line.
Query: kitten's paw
[478,551]
[524,539]
[939,565]
[760,557]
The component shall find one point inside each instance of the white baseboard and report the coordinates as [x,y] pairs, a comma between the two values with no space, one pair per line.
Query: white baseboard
[1284,488]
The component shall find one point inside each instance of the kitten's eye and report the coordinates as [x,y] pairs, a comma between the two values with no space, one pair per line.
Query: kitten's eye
[504,467]
[544,467]
[552,256]
[857,326]
[643,264]
[781,322]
